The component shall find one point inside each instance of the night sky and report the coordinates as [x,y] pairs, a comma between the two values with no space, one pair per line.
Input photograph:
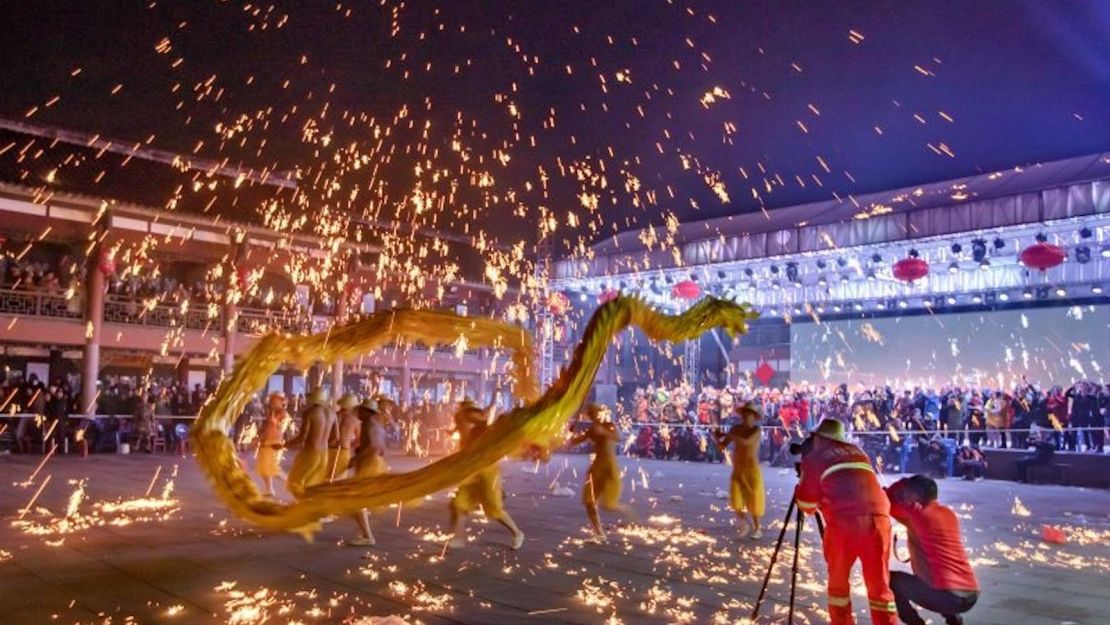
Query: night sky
[813,109]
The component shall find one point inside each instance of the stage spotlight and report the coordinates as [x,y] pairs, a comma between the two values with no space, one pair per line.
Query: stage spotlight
[775,285]
[950,300]
[1061,292]
[953,267]
[1003,296]
[792,273]
[1105,251]
[844,277]
[821,280]
[976,299]
[751,286]
[1027,294]
[857,306]
[875,258]
[837,308]
[913,253]
[582,297]
[821,264]
[722,275]
[773,312]
[880,305]
[797,311]
[870,275]
[774,270]
[903,304]
[957,248]
[820,309]
[1097,289]
[927,302]
[843,262]
[1085,233]
[748,272]
[978,250]
[985,264]
[999,243]
[1083,254]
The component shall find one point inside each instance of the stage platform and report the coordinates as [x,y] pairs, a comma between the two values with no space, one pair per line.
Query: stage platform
[184,559]
[1066,468]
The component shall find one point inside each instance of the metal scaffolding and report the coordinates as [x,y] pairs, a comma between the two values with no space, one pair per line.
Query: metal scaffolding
[544,319]
[690,361]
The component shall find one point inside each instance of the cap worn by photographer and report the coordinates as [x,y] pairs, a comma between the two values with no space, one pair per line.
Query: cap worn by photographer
[831,428]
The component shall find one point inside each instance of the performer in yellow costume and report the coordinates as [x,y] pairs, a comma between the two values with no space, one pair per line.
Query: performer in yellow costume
[369,461]
[270,442]
[746,483]
[481,489]
[603,481]
[344,434]
[310,466]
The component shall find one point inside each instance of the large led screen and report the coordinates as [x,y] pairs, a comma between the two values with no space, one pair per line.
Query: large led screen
[1045,345]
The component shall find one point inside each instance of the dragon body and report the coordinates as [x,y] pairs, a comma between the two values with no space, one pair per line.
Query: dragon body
[539,421]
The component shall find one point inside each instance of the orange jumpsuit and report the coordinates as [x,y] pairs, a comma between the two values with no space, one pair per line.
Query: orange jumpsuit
[837,478]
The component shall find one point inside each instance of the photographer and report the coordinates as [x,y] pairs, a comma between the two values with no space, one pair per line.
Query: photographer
[837,477]
[942,580]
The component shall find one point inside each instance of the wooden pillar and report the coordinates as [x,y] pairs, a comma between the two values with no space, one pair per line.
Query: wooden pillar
[406,384]
[231,322]
[95,287]
[484,364]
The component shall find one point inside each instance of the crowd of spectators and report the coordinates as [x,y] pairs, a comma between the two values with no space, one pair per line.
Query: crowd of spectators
[127,412]
[174,291]
[53,278]
[665,422]
[56,277]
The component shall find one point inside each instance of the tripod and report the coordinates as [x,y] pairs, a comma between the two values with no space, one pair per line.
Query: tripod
[799,520]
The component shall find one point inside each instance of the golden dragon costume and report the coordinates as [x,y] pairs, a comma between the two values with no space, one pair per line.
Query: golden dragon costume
[539,421]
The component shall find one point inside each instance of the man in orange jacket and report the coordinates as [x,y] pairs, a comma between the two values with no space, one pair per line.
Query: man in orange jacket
[838,479]
[942,580]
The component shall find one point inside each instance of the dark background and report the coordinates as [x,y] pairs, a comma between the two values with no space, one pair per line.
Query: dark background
[1024,81]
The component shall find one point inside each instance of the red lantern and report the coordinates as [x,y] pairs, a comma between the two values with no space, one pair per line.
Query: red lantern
[1042,255]
[558,303]
[764,372]
[243,275]
[607,296]
[687,289]
[910,269]
[107,262]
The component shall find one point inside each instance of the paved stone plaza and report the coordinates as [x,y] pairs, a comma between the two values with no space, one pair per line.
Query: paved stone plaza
[183,559]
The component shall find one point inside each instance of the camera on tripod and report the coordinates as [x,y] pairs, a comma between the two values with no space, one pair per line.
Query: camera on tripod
[800,449]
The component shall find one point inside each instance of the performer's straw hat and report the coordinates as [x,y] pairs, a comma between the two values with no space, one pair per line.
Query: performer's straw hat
[348,401]
[831,428]
[316,397]
[750,408]
[469,412]
[370,404]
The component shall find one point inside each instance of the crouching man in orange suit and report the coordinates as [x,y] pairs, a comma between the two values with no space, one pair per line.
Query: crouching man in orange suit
[837,479]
